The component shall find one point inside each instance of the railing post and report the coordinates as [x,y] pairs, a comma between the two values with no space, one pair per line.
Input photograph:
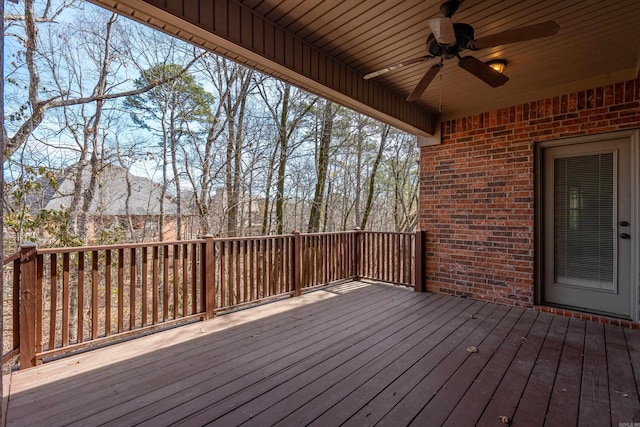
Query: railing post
[356,253]
[28,305]
[16,303]
[296,262]
[208,276]
[420,245]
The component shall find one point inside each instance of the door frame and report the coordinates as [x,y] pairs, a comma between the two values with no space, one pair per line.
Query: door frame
[633,135]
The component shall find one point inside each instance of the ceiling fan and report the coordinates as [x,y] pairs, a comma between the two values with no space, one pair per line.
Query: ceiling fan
[448,39]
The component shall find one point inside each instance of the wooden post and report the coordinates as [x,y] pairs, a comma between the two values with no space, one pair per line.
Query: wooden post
[420,246]
[208,276]
[356,253]
[28,305]
[16,303]
[296,262]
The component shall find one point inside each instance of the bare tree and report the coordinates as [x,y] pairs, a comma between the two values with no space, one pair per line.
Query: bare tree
[34,112]
[384,133]
[288,111]
[322,167]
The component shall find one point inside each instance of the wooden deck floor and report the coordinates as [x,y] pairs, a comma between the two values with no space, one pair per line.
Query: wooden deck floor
[355,354]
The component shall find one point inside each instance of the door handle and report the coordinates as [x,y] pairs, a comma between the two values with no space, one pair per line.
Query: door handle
[624,224]
[625,236]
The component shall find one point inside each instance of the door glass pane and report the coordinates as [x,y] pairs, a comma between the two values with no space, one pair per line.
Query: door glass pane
[583,221]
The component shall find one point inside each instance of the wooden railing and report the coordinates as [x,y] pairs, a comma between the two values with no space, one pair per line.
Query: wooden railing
[66,299]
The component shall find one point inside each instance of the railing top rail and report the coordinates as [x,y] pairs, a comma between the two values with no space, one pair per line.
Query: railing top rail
[202,240]
[11,258]
[115,247]
[248,238]
[400,233]
[331,233]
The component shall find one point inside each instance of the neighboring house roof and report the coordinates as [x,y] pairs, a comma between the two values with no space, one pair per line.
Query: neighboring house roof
[111,193]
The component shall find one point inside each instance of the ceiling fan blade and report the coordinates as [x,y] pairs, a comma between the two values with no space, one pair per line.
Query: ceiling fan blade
[483,71]
[424,82]
[442,29]
[396,66]
[514,35]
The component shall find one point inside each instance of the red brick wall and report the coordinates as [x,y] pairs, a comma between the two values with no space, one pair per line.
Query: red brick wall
[477,188]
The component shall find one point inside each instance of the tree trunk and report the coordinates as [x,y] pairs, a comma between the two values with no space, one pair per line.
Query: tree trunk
[374,170]
[173,138]
[266,223]
[322,168]
[282,161]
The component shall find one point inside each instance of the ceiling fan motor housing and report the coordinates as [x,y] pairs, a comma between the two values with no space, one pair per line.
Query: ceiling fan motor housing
[464,38]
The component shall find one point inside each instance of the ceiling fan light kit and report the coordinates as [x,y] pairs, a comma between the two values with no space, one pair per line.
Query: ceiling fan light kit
[447,40]
[497,64]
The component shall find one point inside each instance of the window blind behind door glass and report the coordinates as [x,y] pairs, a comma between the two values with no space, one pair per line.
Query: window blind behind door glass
[584,222]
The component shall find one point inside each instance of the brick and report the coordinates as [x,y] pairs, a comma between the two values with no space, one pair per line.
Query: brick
[476,191]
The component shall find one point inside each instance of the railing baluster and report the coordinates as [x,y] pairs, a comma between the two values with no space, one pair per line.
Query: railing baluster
[194,278]
[80,331]
[133,280]
[65,300]
[94,294]
[107,293]
[185,280]
[386,255]
[262,259]
[155,287]
[144,276]
[223,275]
[53,280]
[236,260]
[120,290]
[165,283]
[176,281]
[269,266]
[275,250]
[252,284]
[245,271]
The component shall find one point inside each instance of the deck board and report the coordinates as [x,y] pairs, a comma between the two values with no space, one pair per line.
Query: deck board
[459,350]
[622,386]
[594,395]
[394,358]
[362,341]
[506,398]
[323,393]
[540,385]
[236,365]
[565,398]
[444,402]
[353,354]
[476,398]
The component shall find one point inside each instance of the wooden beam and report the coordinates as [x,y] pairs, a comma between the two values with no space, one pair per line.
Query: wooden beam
[231,29]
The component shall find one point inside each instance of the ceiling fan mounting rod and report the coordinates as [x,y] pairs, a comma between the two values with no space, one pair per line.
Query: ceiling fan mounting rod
[448,8]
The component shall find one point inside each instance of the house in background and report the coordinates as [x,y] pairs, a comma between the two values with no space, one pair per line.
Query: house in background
[528,185]
[120,198]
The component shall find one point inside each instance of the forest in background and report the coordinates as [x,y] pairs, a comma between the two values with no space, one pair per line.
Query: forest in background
[235,152]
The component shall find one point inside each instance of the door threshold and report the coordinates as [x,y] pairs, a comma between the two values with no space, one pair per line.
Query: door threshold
[598,318]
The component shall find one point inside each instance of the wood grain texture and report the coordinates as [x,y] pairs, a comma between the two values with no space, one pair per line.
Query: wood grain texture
[355,353]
